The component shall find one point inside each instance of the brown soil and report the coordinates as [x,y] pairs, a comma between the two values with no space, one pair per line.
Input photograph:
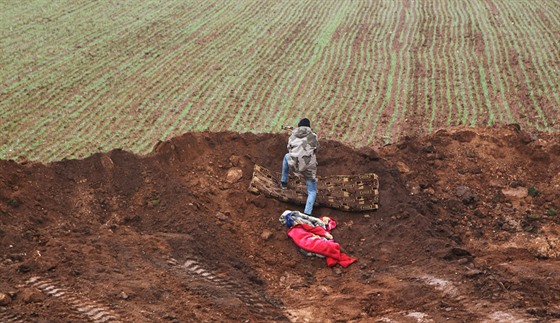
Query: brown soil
[467,230]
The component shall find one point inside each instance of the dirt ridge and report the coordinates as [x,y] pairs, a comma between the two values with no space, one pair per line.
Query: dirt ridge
[467,230]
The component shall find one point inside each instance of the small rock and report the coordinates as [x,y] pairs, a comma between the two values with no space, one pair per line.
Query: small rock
[325,290]
[265,235]
[463,261]
[429,149]
[32,296]
[259,202]
[460,252]
[456,254]
[479,214]
[403,168]
[17,256]
[169,317]
[337,271]
[290,263]
[234,174]
[235,160]
[476,170]
[221,216]
[517,192]
[5,299]
[516,183]
[368,153]
[24,268]
[473,272]
[466,194]
[107,162]
[463,191]
[430,191]
[124,295]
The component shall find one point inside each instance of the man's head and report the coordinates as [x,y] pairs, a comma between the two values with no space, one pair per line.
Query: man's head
[304,123]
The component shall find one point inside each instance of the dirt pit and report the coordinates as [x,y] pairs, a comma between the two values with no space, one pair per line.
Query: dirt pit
[467,231]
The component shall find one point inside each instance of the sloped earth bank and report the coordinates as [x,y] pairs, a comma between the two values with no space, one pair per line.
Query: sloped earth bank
[467,231]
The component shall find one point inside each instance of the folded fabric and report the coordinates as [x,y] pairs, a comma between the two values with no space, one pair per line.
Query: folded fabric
[318,240]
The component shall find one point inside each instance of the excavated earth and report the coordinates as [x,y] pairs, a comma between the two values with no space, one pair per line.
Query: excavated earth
[467,230]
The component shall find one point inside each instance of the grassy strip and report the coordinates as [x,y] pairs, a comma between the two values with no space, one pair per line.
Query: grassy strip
[341,49]
[478,82]
[224,19]
[480,59]
[138,76]
[163,67]
[390,59]
[320,44]
[79,111]
[430,108]
[495,56]
[400,110]
[267,112]
[362,81]
[282,107]
[170,80]
[39,76]
[447,52]
[509,23]
[316,77]
[271,100]
[103,105]
[183,46]
[546,44]
[351,110]
[222,51]
[462,67]
[248,88]
[373,56]
[239,91]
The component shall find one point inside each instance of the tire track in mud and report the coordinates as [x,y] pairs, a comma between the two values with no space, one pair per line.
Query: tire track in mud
[486,311]
[452,303]
[8,317]
[80,307]
[92,310]
[258,302]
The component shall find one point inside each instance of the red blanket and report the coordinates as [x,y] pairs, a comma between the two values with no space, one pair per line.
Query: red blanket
[313,239]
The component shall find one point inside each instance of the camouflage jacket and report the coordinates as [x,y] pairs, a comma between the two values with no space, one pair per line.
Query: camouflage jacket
[301,146]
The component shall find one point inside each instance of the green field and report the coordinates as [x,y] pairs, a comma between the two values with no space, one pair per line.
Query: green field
[78,77]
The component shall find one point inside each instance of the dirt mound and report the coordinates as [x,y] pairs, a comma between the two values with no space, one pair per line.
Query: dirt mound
[466,230]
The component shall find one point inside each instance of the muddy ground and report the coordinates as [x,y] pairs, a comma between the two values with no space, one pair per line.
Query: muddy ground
[467,231]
